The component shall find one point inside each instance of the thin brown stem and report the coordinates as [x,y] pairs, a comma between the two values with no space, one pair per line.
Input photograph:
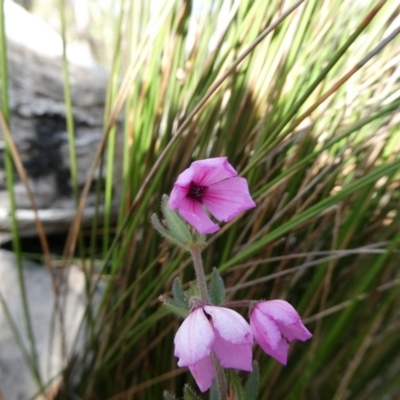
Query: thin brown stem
[238,303]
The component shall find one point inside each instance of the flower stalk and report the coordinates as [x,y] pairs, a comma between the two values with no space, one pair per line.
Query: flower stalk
[220,377]
[195,251]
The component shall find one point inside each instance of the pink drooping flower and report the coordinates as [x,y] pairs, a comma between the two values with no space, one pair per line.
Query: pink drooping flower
[212,183]
[274,324]
[213,329]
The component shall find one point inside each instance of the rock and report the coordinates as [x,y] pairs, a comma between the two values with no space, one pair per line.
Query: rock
[38,119]
[16,381]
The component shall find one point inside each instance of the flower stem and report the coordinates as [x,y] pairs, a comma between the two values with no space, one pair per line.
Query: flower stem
[220,377]
[198,267]
[239,303]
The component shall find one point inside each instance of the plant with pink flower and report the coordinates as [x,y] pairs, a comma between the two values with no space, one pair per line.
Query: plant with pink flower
[212,183]
[275,323]
[212,336]
[213,329]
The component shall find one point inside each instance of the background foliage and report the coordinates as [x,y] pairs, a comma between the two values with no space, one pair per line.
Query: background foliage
[303,98]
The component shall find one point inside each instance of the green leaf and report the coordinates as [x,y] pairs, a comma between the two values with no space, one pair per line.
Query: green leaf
[179,295]
[214,392]
[236,385]
[216,288]
[193,290]
[251,386]
[166,233]
[176,225]
[189,393]
[175,307]
[169,396]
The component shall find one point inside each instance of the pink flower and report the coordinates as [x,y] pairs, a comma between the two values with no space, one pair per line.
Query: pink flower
[274,324]
[212,183]
[217,329]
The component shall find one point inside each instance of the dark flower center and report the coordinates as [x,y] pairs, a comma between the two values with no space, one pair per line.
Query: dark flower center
[196,192]
[208,316]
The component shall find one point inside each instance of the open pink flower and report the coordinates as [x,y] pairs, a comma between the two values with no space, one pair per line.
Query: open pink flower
[274,324]
[212,183]
[217,329]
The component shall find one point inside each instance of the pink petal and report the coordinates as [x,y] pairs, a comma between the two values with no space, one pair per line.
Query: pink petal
[228,198]
[269,320]
[287,319]
[280,311]
[265,330]
[194,339]
[267,335]
[194,213]
[212,170]
[191,210]
[203,372]
[178,195]
[186,177]
[230,355]
[296,331]
[281,352]
[230,325]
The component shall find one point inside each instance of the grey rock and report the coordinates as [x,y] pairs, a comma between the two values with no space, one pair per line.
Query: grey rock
[38,119]
[16,381]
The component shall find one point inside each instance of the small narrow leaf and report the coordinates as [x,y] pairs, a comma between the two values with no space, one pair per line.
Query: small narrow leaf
[216,288]
[251,387]
[214,392]
[189,393]
[174,307]
[175,223]
[179,295]
[193,291]
[236,386]
[165,232]
[169,396]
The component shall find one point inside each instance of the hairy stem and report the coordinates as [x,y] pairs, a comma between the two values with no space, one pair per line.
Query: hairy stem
[238,303]
[195,251]
[220,377]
